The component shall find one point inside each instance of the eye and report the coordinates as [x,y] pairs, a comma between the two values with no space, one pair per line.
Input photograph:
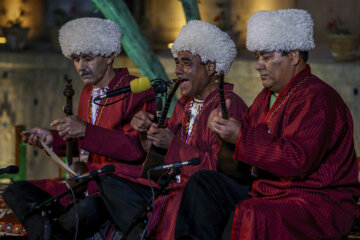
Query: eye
[187,62]
[267,56]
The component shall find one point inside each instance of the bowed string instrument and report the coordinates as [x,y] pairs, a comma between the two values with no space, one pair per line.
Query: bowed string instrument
[226,164]
[79,167]
[156,155]
[72,169]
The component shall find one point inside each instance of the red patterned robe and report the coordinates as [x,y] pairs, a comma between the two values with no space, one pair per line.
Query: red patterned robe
[306,141]
[111,140]
[202,143]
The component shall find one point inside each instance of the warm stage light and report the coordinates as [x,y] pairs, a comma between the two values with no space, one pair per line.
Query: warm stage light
[170,45]
[2,40]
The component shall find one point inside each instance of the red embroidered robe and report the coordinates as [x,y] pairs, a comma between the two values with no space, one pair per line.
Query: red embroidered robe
[306,141]
[111,140]
[202,144]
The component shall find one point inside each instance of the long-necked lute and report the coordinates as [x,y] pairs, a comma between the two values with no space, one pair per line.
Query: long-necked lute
[156,155]
[235,169]
[78,166]
[68,110]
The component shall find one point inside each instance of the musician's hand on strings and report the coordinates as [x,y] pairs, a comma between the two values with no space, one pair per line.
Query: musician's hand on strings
[217,113]
[142,121]
[34,135]
[160,137]
[70,127]
[227,129]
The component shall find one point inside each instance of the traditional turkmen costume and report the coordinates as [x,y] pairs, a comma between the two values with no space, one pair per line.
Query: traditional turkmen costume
[193,138]
[304,140]
[307,143]
[109,138]
[201,143]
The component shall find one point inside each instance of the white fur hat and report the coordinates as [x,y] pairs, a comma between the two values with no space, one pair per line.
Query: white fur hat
[207,41]
[94,36]
[280,30]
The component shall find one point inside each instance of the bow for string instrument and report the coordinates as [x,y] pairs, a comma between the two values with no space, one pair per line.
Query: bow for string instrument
[156,155]
[235,169]
[78,167]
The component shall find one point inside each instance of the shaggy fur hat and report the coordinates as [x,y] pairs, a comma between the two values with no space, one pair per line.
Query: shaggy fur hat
[93,36]
[207,41]
[281,30]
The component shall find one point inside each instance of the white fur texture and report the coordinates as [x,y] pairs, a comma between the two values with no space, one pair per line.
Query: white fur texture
[207,41]
[280,30]
[94,36]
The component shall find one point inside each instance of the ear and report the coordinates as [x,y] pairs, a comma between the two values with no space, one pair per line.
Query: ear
[210,68]
[110,59]
[294,57]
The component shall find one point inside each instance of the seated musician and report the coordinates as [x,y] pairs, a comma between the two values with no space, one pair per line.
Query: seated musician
[298,130]
[201,50]
[103,134]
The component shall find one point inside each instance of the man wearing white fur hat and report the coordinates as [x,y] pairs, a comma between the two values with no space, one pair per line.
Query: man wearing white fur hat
[103,133]
[298,134]
[201,51]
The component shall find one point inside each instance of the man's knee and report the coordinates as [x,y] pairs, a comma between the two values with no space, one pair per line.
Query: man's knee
[200,177]
[91,212]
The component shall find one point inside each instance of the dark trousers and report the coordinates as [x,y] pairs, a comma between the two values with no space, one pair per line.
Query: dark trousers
[120,200]
[22,196]
[123,199]
[207,205]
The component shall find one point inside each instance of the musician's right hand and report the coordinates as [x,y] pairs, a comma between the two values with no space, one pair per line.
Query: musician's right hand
[160,137]
[142,121]
[34,135]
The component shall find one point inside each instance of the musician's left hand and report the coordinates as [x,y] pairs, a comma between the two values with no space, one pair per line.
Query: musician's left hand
[160,137]
[70,127]
[227,129]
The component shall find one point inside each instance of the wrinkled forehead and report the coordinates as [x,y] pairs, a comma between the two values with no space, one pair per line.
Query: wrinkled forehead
[185,53]
[261,53]
[188,55]
[264,52]
[82,55]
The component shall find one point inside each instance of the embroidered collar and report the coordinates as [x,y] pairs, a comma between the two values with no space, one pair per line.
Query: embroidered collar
[287,91]
[120,75]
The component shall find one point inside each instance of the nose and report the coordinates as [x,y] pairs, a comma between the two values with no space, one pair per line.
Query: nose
[259,64]
[179,69]
[82,64]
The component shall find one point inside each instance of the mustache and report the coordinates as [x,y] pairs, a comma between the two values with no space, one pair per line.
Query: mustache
[85,72]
